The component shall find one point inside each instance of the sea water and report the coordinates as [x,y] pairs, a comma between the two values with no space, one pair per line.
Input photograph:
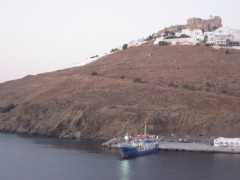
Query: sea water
[41,158]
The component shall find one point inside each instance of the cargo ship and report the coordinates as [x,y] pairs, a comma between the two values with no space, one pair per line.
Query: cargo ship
[138,146]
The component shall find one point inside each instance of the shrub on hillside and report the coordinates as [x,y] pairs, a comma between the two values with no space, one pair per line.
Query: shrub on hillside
[165,33]
[149,38]
[162,43]
[138,80]
[184,36]
[7,108]
[171,84]
[125,46]
[208,44]
[93,56]
[171,37]
[224,91]
[209,85]
[113,50]
[94,73]
[189,87]
[227,52]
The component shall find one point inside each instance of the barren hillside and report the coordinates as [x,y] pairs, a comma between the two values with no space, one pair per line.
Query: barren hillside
[182,90]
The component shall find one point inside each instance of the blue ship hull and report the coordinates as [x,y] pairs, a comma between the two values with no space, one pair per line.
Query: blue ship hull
[128,152]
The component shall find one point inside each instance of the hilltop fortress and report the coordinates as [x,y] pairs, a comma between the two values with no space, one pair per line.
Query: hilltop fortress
[206,25]
[194,23]
[197,31]
[209,32]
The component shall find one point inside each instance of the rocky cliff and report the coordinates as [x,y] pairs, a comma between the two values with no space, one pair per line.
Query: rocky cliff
[206,25]
[179,90]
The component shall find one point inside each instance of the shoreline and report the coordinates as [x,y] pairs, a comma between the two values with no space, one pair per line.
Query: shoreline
[163,145]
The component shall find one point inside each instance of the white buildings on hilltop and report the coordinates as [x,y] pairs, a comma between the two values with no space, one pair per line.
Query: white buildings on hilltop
[197,35]
[227,37]
[223,36]
[136,42]
[176,41]
[209,37]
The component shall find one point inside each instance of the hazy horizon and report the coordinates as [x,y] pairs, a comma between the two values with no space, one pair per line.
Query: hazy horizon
[41,36]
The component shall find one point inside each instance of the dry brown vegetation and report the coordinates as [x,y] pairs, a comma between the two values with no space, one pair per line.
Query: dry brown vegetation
[183,90]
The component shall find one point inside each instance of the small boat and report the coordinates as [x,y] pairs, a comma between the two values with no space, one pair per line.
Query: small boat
[138,146]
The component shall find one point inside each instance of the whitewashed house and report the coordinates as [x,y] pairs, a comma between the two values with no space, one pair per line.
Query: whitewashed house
[197,35]
[226,142]
[178,34]
[221,41]
[186,32]
[225,32]
[225,36]
[236,39]
[236,36]
[177,41]
[209,37]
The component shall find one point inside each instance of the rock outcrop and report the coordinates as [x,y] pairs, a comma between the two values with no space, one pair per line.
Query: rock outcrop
[205,25]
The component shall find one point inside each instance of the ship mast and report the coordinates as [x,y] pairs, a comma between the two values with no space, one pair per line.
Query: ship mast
[145,129]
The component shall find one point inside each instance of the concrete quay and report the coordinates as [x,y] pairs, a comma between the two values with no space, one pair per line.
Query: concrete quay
[196,147]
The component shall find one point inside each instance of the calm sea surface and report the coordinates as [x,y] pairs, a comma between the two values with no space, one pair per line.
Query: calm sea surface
[40,158]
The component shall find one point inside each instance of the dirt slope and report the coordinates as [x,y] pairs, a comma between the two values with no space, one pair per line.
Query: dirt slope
[182,90]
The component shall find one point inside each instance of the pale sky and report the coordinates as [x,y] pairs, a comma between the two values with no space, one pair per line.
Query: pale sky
[38,36]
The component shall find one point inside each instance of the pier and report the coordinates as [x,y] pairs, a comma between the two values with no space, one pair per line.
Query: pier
[196,147]
[182,147]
